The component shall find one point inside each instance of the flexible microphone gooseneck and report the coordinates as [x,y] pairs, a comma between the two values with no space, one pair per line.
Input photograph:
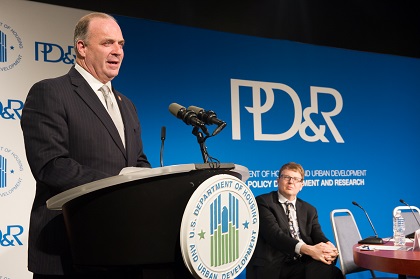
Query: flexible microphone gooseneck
[188,116]
[209,117]
[162,138]
[411,235]
[371,239]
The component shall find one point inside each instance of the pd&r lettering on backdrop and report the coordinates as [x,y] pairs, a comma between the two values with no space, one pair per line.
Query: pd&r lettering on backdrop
[258,109]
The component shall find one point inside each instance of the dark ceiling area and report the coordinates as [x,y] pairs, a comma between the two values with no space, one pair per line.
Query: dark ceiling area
[381,26]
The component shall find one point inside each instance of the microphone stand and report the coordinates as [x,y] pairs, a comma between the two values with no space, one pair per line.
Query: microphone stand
[411,235]
[201,141]
[371,239]
[162,138]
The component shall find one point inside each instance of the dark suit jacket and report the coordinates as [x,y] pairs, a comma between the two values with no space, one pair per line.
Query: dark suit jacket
[275,245]
[70,140]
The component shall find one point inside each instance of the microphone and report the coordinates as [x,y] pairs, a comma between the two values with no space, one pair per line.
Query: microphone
[162,138]
[188,116]
[209,117]
[372,239]
[163,133]
[411,235]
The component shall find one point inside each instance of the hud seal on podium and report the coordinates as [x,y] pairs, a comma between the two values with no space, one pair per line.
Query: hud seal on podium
[219,228]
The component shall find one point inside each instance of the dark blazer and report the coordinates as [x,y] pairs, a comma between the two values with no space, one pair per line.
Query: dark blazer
[70,140]
[275,246]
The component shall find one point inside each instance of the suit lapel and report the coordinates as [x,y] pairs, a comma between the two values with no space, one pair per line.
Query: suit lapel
[278,208]
[301,217]
[85,92]
[126,120]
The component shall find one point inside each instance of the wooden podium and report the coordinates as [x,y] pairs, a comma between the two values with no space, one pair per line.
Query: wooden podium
[134,219]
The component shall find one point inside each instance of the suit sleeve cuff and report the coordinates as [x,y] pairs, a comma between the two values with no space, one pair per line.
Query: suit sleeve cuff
[298,246]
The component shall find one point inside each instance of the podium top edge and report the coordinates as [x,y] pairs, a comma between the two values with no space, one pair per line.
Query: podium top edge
[132,174]
[206,166]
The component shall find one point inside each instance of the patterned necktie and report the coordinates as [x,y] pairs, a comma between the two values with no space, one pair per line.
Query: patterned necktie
[293,232]
[116,117]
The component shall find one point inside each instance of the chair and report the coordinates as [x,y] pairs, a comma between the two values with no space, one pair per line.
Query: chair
[411,224]
[346,234]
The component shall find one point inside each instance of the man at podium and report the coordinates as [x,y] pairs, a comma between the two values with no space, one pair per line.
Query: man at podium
[77,129]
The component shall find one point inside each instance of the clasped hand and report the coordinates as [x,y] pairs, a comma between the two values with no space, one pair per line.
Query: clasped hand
[324,252]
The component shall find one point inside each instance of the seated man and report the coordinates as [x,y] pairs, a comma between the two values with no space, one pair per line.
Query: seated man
[291,243]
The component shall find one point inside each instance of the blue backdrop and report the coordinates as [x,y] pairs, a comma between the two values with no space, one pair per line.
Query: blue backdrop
[350,118]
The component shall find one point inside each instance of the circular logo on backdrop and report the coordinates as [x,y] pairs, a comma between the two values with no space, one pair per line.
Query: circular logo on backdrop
[219,228]
[10,47]
[10,170]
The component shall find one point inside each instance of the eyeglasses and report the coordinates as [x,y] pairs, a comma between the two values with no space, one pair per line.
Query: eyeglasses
[291,178]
